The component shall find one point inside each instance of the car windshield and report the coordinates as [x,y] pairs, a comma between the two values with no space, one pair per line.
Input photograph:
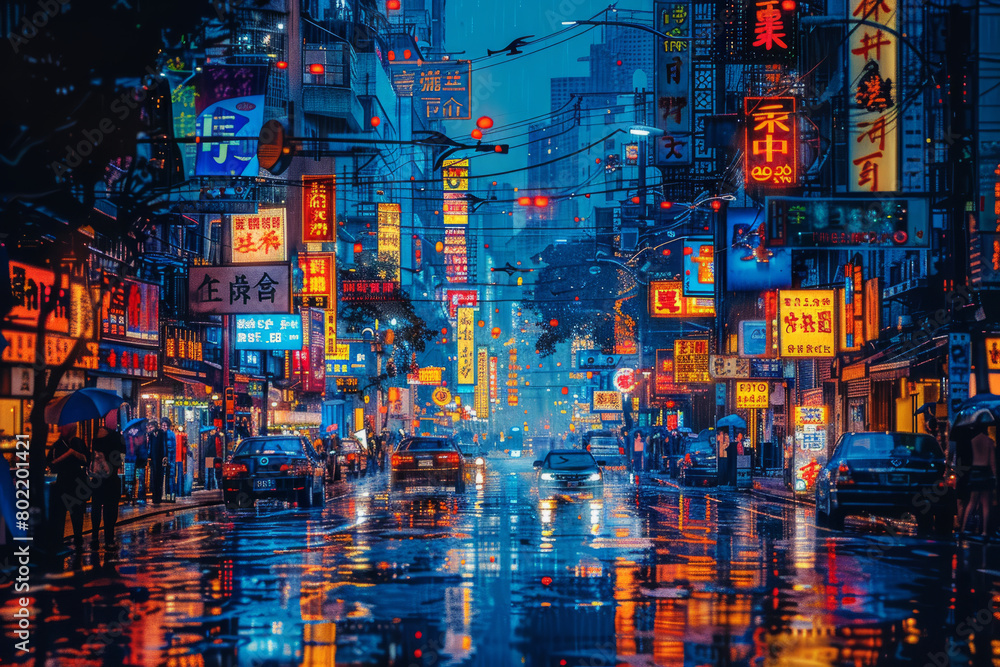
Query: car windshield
[424,444]
[270,446]
[469,448]
[570,461]
[700,447]
[886,445]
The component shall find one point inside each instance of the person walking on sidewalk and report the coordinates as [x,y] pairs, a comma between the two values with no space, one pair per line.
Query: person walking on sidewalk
[157,454]
[68,459]
[982,476]
[108,455]
[170,454]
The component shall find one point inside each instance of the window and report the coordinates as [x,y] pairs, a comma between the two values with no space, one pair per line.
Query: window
[570,461]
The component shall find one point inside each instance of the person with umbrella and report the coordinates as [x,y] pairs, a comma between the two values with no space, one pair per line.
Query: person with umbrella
[982,475]
[68,459]
[108,454]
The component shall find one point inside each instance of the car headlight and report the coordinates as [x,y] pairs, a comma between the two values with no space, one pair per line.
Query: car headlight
[480,461]
[546,475]
[594,476]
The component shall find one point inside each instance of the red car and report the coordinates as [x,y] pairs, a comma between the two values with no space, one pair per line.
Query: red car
[421,461]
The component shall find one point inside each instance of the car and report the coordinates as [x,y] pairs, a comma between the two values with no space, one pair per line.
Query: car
[605,446]
[427,460]
[569,471]
[886,474]
[474,461]
[699,465]
[352,459]
[281,466]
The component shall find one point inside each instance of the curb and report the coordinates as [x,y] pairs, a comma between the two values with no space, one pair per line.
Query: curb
[156,512]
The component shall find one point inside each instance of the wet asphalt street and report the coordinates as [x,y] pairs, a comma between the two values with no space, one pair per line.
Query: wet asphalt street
[648,574]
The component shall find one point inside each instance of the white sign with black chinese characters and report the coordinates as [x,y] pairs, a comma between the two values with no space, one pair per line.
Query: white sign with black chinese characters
[959,369]
[250,288]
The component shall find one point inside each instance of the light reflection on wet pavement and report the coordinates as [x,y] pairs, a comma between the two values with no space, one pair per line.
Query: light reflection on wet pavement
[648,575]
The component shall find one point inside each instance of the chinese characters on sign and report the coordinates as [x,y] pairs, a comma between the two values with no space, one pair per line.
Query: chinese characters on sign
[699,266]
[268,332]
[116,359]
[368,290]
[456,261]
[221,290]
[21,350]
[805,323]
[493,378]
[461,297]
[813,415]
[259,237]
[30,288]
[666,299]
[773,28]
[455,209]
[673,83]
[388,237]
[752,395]
[873,117]
[512,377]
[606,401]
[319,209]
[691,361]
[482,395]
[664,377]
[771,151]
[308,362]
[843,221]
[317,274]
[456,175]
[466,351]
[130,311]
[440,89]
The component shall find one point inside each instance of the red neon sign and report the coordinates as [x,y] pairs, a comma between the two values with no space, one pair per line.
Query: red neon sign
[771,150]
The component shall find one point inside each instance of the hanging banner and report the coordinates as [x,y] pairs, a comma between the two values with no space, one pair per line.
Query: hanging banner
[308,361]
[691,361]
[229,103]
[466,353]
[130,312]
[461,297]
[227,290]
[317,278]
[752,395]
[771,30]
[388,237]
[259,237]
[319,209]
[805,323]
[30,288]
[699,266]
[368,290]
[493,378]
[771,146]
[873,113]
[606,401]
[482,396]
[673,81]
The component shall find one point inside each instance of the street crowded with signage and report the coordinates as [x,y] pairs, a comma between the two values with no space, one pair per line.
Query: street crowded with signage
[410,333]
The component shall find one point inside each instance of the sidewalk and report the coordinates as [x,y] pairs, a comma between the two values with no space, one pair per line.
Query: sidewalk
[768,487]
[130,513]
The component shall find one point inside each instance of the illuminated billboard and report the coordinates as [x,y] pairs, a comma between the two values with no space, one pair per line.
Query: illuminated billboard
[752,264]
[319,209]
[699,266]
[805,323]
[771,149]
[259,237]
[229,103]
[666,299]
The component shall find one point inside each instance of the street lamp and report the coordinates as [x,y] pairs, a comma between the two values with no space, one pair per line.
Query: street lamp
[645,131]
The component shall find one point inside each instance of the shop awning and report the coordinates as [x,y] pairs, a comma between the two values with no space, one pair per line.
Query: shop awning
[900,366]
[185,379]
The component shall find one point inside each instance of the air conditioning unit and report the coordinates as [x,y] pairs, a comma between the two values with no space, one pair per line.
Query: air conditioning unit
[629,238]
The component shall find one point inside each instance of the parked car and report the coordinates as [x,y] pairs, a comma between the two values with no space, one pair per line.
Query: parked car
[569,471]
[352,459]
[699,466]
[474,457]
[284,467]
[604,445]
[427,460]
[888,474]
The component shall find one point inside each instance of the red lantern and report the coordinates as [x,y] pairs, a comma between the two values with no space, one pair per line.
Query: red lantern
[665,205]
[619,63]
[597,161]
[553,322]
[391,55]
[635,200]
[541,201]
[444,331]
[357,248]
[316,68]
[524,201]
[376,121]
[481,324]
[788,5]
[484,123]
[281,64]
[392,5]
[716,205]
[565,390]
[495,332]
[407,53]
[477,134]
[670,404]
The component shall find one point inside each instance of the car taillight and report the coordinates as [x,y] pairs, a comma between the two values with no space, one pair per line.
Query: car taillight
[231,470]
[450,457]
[621,451]
[687,458]
[398,459]
[844,475]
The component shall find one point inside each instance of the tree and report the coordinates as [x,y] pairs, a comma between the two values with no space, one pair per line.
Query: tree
[580,298]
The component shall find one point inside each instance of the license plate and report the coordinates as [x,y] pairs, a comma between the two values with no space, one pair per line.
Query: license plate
[425,463]
[573,483]
[263,484]
[897,478]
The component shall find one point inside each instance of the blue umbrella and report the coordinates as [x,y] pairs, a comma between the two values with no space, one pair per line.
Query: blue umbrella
[81,405]
[138,422]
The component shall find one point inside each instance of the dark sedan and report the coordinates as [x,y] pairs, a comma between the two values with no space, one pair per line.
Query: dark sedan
[282,467]
[699,465]
[569,471]
[889,474]
[424,460]
[352,459]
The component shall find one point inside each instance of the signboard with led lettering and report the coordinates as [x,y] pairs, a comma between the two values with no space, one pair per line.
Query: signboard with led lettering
[805,323]
[482,395]
[673,82]
[30,287]
[21,350]
[691,361]
[317,274]
[838,222]
[664,372]
[462,297]
[666,299]
[228,290]
[319,207]
[260,237]
[771,31]
[771,150]
[872,96]
[389,237]
[699,266]
[127,360]
[752,395]
[466,354]
[268,332]
[130,312]
[440,89]
[606,401]
[368,290]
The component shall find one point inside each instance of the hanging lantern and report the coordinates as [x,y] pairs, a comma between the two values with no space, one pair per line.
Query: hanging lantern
[376,121]
[553,322]
[357,248]
[484,122]
[495,332]
[477,134]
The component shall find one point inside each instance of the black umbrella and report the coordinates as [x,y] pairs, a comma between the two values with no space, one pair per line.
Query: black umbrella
[971,410]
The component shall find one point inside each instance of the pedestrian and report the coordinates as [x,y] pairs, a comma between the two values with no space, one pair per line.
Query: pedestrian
[982,476]
[157,459]
[638,453]
[108,453]
[68,460]
[962,467]
[189,459]
[169,459]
